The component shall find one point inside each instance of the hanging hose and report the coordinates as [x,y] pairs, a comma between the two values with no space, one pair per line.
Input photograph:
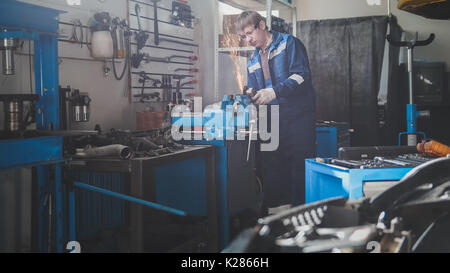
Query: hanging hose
[127,45]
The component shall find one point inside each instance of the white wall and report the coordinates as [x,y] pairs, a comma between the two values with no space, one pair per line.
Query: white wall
[333,9]
[207,14]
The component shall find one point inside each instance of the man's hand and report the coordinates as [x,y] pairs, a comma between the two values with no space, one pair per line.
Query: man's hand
[264,96]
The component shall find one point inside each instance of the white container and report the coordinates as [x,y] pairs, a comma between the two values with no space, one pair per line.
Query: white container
[102,45]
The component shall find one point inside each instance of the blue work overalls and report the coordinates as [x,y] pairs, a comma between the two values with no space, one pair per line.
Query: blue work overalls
[283,170]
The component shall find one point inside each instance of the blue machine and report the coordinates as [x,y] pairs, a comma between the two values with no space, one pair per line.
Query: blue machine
[217,123]
[235,194]
[411,112]
[323,180]
[235,178]
[20,20]
[330,136]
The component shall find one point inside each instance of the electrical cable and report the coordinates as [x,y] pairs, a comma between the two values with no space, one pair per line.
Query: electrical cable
[259,183]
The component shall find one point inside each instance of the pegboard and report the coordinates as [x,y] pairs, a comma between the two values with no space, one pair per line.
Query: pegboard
[176,54]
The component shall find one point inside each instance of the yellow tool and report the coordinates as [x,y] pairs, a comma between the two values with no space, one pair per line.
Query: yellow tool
[432,147]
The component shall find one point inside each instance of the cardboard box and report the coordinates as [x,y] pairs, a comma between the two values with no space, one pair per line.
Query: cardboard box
[147,120]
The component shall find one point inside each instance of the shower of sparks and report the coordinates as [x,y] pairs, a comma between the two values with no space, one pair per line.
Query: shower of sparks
[232,41]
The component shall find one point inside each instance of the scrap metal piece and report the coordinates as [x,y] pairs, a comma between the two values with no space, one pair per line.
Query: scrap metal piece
[123,152]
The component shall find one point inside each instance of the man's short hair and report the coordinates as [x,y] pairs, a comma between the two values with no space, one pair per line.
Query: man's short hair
[248,18]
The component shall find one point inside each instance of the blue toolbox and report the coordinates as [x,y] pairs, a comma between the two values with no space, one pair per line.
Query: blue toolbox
[325,180]
[330,136]
[350,177]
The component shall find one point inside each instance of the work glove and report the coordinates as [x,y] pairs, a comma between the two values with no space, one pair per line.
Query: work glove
[264,96]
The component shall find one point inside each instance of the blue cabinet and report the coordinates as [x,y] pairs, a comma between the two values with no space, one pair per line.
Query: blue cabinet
[330,136]
[324,180]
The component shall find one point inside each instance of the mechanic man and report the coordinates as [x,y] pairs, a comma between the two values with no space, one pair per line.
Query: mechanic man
[279,70]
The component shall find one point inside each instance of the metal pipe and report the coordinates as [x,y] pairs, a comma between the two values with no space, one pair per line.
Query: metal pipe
[294,21]
[73,58]
[72,224]
[176,42]
[410,75]
[155,21]
[163,74]
[389,7]
[8,62]
[124,152]
[159,21]
[129,198]
[13,115]
[7,47]
[72,24]
[167,48]
[137,10]
[167,35]
[269,14]
[150,87]
[148,4]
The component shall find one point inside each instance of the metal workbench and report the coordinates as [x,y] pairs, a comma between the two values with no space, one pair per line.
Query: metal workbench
[146,177]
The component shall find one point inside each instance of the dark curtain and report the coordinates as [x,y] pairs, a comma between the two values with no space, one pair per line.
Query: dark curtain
[346,58]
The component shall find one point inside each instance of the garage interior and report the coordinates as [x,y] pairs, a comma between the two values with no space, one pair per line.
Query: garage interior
[121,128]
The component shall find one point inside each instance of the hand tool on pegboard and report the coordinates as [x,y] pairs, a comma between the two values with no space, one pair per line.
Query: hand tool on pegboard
[166,85]
[143,79]
[141,36]
[177,95]
[188,82]
[138,57]
[157,39]
[155,23]
[191,70]
[181,14]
